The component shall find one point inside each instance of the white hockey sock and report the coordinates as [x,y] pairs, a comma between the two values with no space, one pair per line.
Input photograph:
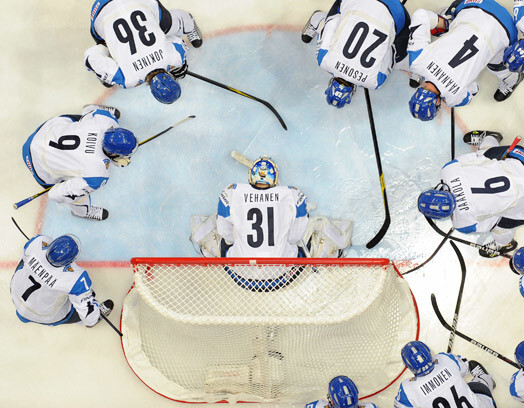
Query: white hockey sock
[182,22]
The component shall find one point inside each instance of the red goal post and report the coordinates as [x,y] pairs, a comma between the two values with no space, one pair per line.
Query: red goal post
[265,330]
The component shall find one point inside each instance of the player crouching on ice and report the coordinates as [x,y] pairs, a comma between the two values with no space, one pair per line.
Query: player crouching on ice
[262,219]
[472,35]
[516,386]
[359,43]
[481,191]
[342,393]
[438,380]
[71,154]
[49,288]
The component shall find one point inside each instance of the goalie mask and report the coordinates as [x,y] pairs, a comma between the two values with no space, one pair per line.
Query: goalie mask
[417,357]
[263,173]
[63,250]
[343,393]
[119,145]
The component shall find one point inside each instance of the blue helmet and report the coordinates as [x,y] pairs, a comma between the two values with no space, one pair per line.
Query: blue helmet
[263,173]
[165,88]
[119,145]
[63,250]
[417,357]
[516,263]
[519,354]
[514,56]
[436,204]
[424,104]
[338,94]
[343,393]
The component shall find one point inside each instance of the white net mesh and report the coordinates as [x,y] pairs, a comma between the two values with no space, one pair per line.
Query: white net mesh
[209,332]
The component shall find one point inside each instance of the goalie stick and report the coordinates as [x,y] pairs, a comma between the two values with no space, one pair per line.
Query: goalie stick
[263,102]
[467,338]
[23,202]
[101,315]
[380,234]
[245,161]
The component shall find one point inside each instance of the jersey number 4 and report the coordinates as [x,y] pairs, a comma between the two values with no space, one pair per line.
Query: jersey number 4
[361,30]
[255,215]
[125,35]
[467,51]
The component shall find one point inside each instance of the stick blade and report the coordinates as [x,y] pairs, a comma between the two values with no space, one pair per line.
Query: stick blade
[380,234]
[239,157]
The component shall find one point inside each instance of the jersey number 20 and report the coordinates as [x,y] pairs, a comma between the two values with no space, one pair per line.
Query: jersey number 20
[361,30]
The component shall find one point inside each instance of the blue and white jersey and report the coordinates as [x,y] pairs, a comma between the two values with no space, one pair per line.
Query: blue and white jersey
[356,44]
[325,404]
[443,386]
[516,386]
[43,293]
[479,32]
[518,14]
[485,189]
[62,149]
[264,223]
[136,44]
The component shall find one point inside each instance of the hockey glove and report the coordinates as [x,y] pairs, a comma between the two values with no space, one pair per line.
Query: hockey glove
[437,32]
[179,72]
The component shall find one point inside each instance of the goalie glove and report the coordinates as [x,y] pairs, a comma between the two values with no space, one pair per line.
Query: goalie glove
[437,32]
[179,72]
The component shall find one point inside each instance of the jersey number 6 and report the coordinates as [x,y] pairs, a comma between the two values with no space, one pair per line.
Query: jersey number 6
[147,39]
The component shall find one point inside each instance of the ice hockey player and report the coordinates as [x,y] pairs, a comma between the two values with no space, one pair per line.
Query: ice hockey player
[72,153]
[516,264]
[514,55]
[342,393]
[481,191]
[472,35]
[360,43]
[516,386]
[49,288]
[438,380]
[138,41]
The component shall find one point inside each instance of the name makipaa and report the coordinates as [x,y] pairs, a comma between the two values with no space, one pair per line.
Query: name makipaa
[261,197]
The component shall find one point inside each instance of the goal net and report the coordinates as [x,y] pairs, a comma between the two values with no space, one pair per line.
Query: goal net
[265,330]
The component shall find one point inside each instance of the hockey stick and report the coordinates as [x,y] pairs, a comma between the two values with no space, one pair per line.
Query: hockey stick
[380,234]
[245,161]
[452,133]
[467,338]
[510,149]
[463,241]
[453,330]
[263,102]
[20,229]
[101,315]
[19,204]
[432,255]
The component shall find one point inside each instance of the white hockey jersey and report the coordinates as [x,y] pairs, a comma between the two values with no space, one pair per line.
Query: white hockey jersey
[356,44]
[43,293]
[262,223]
[62,149]
[485,189]
[478,34]
[136,45]
[516,386]
[444,386]
[518,14]
[325,404]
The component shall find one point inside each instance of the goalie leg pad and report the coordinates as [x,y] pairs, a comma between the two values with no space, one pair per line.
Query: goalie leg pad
[204,234]
[328,237]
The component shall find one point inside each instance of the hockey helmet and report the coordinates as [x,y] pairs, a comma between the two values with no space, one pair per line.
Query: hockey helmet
[424,104]
[119,145]
[436,204]
[519,354]
[343,393]
[63,250]
[263,173]
[514,56]
[338,94]
[417,357]
[165,88]
[516,263]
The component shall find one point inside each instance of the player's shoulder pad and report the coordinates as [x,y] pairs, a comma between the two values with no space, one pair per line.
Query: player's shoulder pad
[232,186]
